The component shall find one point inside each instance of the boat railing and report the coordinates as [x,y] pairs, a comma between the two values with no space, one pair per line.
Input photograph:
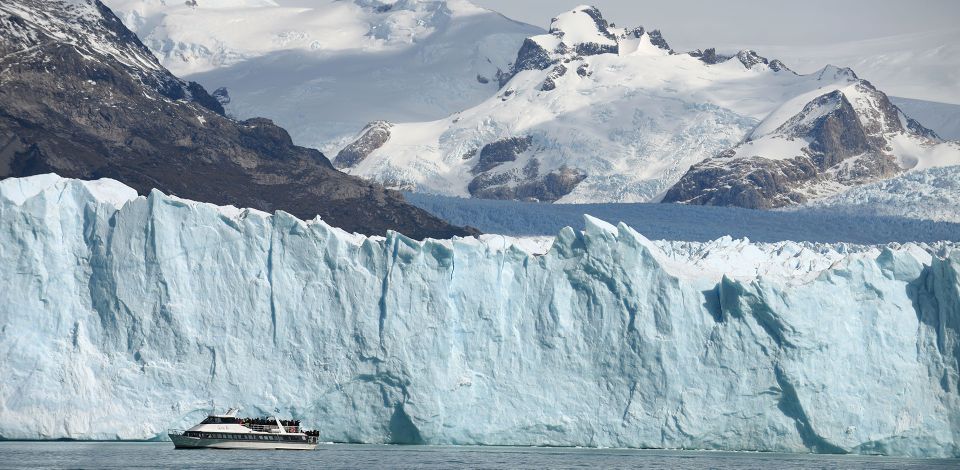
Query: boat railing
[262,427]
[175,432]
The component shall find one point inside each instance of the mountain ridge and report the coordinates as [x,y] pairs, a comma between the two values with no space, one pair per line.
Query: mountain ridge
[635,117]
[84,98]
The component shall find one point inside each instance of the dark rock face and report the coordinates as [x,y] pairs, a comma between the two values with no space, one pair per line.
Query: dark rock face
[657,40]
[844,148]
[221,95]
[751,58]
[501,151]
[755,183]
[710,56]
[521,184]
[836,136]
[550,82]
[373,136]
[592,48]
[530,57]
[778,66]
[69,105]
[200,96]
[527,185]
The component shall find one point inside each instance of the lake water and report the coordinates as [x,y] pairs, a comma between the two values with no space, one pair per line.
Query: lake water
[162,455]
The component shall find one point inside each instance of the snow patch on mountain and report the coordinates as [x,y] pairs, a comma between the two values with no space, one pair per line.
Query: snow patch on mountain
[326,70]
[190,38]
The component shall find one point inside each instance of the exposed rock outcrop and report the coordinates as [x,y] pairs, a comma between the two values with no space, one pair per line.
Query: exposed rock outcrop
[656,38]
[372,137]
[527,184]
[550,82]
[710,56]
[501,151]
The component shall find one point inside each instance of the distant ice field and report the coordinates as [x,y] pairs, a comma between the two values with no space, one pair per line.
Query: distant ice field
[689,223]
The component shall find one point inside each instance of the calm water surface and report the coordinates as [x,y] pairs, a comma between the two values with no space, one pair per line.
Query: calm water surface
[162,455]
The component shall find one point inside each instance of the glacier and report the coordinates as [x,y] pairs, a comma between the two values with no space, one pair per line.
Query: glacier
[125,315]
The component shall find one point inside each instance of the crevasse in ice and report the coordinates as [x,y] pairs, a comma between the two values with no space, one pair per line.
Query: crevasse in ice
[123,316]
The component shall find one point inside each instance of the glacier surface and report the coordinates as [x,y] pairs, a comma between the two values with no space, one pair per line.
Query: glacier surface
[124,315]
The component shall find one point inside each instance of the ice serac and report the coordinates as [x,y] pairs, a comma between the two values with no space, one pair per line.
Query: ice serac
[126,315]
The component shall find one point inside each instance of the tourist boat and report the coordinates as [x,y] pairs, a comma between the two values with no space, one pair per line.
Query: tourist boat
[227,431]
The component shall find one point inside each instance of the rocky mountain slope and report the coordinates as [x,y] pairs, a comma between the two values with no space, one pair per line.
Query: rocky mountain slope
[842,138]
[324,69]
[591,112]
[125,316]
[80,95]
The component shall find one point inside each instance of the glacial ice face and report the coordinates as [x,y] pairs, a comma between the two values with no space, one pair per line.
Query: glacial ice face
[122,322]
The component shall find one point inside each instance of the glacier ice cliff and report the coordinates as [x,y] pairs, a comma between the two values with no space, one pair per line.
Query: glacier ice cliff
[124,315]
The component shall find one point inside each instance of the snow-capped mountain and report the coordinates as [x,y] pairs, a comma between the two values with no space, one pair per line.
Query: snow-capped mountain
[127,315]
[808,148]
[594,113]
[325,69]
[80,95]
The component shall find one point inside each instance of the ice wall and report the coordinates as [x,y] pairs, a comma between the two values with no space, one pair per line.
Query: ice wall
[120,323]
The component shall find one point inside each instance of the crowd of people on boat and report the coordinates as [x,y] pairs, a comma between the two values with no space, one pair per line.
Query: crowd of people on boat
[288,423]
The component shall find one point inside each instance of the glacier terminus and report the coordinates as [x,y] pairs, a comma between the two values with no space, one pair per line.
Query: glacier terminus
[126,315]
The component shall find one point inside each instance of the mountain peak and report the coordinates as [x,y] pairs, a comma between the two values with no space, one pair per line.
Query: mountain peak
[582,25]
[832,72]
[750,59]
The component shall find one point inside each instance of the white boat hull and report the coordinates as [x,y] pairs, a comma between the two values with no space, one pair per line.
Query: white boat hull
[187,442]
